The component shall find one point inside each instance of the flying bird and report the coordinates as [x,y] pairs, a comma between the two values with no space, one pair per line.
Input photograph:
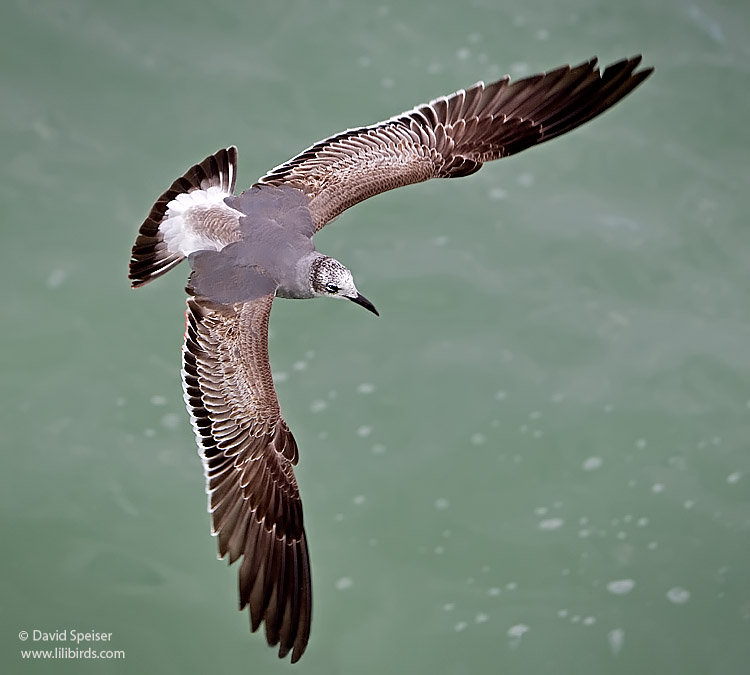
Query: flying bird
[245,250]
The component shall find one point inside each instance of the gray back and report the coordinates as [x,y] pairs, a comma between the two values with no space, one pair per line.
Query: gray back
[277,231]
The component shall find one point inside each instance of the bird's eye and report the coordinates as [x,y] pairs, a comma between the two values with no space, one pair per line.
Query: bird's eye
[332,288]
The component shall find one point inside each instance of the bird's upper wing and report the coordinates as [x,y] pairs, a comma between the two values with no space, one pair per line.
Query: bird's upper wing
[248,453]
[453,136]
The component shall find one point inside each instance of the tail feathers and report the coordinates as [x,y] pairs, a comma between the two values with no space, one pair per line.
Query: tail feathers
[150,257]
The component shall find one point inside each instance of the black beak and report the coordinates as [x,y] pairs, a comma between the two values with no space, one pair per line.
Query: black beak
[364,302]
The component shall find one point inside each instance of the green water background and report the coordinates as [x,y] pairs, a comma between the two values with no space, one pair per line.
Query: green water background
[535,461]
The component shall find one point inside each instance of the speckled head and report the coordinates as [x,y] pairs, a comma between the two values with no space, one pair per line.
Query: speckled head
[329,278]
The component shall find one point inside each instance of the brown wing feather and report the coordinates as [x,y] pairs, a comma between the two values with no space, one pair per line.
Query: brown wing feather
[453,136]
[248,453]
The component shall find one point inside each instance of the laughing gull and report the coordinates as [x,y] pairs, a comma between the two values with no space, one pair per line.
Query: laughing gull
[246,250]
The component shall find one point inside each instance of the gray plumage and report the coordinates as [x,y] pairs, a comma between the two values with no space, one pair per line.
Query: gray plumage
[246,250]
[276,232]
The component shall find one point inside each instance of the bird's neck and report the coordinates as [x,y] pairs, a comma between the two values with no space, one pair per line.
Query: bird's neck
[300,286]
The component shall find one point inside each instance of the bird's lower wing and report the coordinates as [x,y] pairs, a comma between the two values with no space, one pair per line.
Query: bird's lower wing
[248,453]
[453,136]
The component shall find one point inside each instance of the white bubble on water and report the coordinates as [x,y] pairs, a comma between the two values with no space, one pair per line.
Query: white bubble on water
[481,618]
[551,524]
[366,388]
[621,586]
[592,463]
[657,488]
[461,625]
[318,405]
[171,421]
[519,68]
[734,477]
[526,179]
[441,503]
[344,583]
[678,595]
[56,278]
[517,630]
[158,400]
[364,431]
[616,640]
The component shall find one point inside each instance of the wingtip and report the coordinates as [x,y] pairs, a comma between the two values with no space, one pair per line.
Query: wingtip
[296,654]
[632,62]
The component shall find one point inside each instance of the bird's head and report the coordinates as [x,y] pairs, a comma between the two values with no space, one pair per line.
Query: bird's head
[329,278]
